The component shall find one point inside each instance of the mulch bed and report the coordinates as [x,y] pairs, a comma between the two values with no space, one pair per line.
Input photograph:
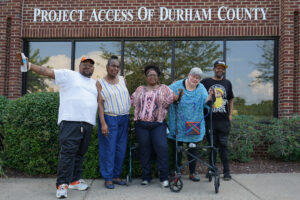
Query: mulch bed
[259,166]
[252,167]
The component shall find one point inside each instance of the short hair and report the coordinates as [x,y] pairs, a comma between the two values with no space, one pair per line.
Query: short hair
[113,57]
[153,67]
[196,71]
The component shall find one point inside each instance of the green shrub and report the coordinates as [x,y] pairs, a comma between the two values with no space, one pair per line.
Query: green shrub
[30,133]
[244,136]
[31,138]
[3,104]
[283,137]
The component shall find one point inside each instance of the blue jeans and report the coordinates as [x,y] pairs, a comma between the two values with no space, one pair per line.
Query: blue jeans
[112,149]
[152,135]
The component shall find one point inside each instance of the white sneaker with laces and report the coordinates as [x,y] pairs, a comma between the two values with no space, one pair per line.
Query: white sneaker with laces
[79,185]
[165,184]
[62,191]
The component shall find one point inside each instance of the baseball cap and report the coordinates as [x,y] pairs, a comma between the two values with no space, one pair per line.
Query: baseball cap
[221,63]
[83,59]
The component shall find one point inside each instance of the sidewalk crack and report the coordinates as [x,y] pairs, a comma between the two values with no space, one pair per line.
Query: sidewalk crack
[248,189]
[87,192]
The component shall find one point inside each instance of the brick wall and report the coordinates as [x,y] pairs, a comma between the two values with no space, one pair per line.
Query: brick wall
[155,28]
[280,22]
[289,59]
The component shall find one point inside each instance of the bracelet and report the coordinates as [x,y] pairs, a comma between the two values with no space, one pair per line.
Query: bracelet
[29,65]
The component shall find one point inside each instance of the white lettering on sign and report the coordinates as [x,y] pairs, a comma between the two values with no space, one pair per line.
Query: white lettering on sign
[188,14]
[231,14]
[222,13]
[111,15]
[57,16]
[145,14]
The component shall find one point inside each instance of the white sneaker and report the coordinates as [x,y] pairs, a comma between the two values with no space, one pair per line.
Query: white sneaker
[78,185]
[144,182]
[165,184]
[62,191]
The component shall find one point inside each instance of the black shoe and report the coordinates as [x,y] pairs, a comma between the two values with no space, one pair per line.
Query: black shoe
[227,177]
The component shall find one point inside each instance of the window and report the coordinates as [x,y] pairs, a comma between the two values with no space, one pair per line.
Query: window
[100,52]
[251,64]
[137,54]
[55,55]
[202,54]
[251,72]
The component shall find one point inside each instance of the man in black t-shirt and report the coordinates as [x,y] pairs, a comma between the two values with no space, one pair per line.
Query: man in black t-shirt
[221,113]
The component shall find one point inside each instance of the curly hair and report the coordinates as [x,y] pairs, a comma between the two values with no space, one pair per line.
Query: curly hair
[152,67]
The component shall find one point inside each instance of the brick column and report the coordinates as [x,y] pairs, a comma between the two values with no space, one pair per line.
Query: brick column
[288,66]
[10,44]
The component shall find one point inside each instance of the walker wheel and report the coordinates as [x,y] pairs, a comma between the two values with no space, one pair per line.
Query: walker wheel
[175,184]
[217,183]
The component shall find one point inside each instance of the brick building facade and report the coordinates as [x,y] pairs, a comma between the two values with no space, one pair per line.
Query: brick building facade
[24,19]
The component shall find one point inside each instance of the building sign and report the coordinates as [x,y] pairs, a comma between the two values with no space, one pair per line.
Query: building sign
[145,14]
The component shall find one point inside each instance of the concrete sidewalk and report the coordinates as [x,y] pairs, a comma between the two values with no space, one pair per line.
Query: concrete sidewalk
[277,186]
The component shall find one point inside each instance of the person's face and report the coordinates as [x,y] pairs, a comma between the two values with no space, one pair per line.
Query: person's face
[194,80]
[114,68]
[86,69]
[152,77]
[219,71]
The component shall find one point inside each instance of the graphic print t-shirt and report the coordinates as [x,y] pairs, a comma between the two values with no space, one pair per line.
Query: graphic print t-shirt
[223,92]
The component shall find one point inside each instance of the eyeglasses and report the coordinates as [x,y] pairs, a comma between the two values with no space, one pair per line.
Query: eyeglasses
[151,75]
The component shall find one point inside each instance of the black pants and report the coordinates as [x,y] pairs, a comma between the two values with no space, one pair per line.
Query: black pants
[74,138]
[192,165]
[220,139]
[153,136]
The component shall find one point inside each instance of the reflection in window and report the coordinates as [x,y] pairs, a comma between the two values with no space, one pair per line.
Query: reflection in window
[251,71]
[55,55]
[139,54]
[100,52]
[202,54]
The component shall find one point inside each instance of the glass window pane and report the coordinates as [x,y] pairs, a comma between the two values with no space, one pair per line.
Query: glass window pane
[251,71]
[100,52]
[55,55]
[138,54]
[202,54]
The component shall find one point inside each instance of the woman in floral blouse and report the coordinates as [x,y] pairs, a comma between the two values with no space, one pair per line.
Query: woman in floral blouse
[151,104]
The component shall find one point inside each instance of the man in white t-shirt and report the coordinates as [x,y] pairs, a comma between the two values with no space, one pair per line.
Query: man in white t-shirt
[76,118]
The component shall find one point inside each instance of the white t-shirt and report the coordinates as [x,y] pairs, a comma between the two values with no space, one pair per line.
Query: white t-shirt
[77,97]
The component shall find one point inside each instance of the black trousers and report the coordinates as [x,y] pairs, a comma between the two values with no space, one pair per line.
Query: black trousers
[192,165]
[220,138]
[152,136]
[74,138]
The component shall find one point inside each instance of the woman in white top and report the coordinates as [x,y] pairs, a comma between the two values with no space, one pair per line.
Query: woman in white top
[113,123]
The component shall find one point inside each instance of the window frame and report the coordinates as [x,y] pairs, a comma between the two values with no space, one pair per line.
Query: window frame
[173,39]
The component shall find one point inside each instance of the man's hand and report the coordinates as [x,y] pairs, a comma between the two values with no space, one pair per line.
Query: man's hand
[104,129]
[39,69]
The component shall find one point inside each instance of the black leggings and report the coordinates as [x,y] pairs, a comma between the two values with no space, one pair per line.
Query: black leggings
[192,165]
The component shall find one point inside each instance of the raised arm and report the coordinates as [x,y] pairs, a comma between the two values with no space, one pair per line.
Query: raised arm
[42,70]
[38,69]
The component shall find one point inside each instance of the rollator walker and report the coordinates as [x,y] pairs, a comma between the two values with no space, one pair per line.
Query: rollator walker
[175,181]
